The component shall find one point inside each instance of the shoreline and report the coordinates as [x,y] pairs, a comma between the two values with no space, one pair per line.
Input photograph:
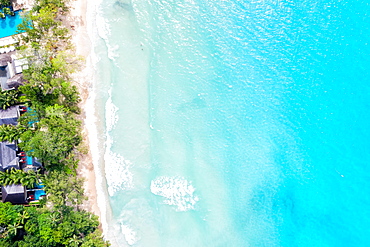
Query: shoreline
[91,163]
[83,80]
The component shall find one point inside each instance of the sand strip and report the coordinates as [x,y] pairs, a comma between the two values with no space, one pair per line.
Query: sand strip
[83,79]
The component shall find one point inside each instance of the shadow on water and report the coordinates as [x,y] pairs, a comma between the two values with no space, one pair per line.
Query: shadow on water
[12,23]
[3,23]
[126,5]
[196,103]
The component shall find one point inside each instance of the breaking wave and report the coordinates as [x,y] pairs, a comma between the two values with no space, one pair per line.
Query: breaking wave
[177,191]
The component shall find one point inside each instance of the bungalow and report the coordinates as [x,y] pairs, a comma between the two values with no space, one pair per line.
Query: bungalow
[15,193]
[11,69]
[11,115]
[8,156]
[12,157]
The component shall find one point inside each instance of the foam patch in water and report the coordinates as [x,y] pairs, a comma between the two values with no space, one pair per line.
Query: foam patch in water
[130,235]
[116,170]
[110,114]
[177,191]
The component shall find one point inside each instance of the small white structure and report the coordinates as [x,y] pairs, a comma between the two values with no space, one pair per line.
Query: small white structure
[11,69]
[19,64]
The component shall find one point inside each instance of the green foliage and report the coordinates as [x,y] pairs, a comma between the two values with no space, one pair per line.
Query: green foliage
[30,226]
[37,25]
[43,26]
[66,227]
[8,214]
[5,3]
[64,189]
[33,35]
[56,136]
[70,96]
[48,83]
[95,239]
[60,4]
[9,98]
[51,133]
[11,133]
[12,219]
[13,176]
[7,11]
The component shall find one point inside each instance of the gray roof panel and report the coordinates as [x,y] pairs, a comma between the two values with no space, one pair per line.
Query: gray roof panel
[15,193]
[10,115]
[8,156]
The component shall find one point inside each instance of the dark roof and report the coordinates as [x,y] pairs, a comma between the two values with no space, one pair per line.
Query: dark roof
[15,193]
[8,156]
[10,115]
[4,59]
[4,76]
[8,65]
[14,82]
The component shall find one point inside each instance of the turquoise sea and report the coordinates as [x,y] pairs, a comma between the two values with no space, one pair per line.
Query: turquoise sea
[232,122]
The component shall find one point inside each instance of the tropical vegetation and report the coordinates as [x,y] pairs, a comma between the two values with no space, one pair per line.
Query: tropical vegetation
[6,11]
[30,227]
[9,98]
[13,176]
[51,131]
[4,3]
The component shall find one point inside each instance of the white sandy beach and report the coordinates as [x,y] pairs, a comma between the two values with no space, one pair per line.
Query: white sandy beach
[91,166]
[83,79]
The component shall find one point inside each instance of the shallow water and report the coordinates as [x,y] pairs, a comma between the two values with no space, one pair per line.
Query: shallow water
[234,123]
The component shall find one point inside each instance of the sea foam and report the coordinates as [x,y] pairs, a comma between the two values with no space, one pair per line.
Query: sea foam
[130,235]
[117,170]
[111,116]
[177,190]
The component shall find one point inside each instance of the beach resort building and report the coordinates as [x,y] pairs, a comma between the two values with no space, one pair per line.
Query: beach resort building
[11,69]
[9,153]
[15,194]
[8,156]
[11,77]
[11,115]
[13,158]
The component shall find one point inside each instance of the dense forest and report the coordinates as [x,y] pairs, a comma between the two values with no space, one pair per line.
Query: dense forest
[51,132]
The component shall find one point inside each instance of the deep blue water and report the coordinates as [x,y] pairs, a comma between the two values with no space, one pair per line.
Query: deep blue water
[260,106]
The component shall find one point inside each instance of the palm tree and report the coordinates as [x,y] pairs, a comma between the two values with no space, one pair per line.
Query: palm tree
[22,217]
[10,133]
[10,97]
[6,178]
[13,229]
[13,176]
[6,11]
[3,178]
[74,241]
[54,218]
[4,3]
[29,179]
[16,176]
